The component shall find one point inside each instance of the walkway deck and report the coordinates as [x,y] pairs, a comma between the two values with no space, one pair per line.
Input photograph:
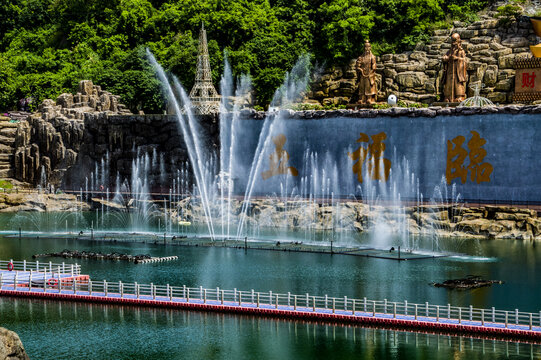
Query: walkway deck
[304,306]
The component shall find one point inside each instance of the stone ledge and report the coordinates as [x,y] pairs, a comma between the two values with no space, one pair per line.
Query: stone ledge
[396,112]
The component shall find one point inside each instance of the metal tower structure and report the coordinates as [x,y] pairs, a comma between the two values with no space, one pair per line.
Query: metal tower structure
[204,97]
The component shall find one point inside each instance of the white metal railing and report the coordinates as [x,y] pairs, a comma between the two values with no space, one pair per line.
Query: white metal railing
[306,302]
[37,266]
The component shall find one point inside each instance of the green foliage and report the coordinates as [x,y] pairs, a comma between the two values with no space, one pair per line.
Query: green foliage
[47,46]
[5,184]
[509,13]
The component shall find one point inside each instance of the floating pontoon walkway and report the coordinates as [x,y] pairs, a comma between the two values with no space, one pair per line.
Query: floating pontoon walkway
[394,315]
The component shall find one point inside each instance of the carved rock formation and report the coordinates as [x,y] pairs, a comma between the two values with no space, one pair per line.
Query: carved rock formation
[48,142]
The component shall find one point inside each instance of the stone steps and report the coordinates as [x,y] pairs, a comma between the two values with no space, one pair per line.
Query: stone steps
[8,131]
[4,166]
[7,124]
[5,149]
[7,140]
[6,157]
[6,173]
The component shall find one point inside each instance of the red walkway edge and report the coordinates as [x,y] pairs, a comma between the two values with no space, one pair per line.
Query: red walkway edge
[387,323]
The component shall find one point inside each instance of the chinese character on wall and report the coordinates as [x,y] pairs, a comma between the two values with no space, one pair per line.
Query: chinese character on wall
[456,155]
[528,80]
[278,160]
[378,168]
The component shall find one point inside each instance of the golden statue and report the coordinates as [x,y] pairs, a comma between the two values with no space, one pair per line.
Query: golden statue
[455,74]
[366,75]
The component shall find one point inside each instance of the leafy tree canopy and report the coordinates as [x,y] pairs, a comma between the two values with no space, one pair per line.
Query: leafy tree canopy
[47,46]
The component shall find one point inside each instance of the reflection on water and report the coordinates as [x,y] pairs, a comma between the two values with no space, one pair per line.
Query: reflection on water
[83,331]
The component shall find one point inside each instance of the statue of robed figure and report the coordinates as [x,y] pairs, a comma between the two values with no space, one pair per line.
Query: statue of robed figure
[455,72]
[366,75]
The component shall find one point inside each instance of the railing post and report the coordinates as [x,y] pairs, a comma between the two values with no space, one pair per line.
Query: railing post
[295,302]
[136,286]
[374,308]
[314,303]
[426,309]
[493,314]
[258,299]
[437,313]
[121,289]
[270,298]
[352,306]
[50,266]
[471,312]
[1,280]
[59,283]
[72,274]
[459,315]
[44,283]
[37,265]
[75,286]
[394,310]
[89,287]
[506,318]
[205,296]
[385,306]
[415,311]
[530,321]
[24,265]
[364,299]
[406,307]
[345,303]
[200,292]
[15,280]
[184,291]
[288,298]
[222,297]
[333,305]
[276,301]
[449,311]
[482,317]
[516,316]
[326,301]
[29,281]
[105,288]
[253,296]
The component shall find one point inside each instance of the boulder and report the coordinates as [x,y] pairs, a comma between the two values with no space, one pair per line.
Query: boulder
[411,79]
[86,87]
[11,347]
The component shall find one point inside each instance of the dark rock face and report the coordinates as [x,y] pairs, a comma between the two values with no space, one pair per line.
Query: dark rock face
[11,347]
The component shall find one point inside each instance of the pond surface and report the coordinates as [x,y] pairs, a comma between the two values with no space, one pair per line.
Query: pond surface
[81,331]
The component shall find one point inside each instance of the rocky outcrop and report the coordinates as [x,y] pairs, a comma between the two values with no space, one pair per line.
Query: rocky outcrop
[417,75]
[452,220]
[48,142]
[11,347]
[36,201]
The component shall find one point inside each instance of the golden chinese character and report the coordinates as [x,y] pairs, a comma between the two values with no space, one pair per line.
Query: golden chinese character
[278,159]
[456,155]
[455,158]
[478,171]
[373,152]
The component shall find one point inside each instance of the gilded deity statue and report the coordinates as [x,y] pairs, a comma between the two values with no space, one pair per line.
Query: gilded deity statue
[366,75]
[455,74]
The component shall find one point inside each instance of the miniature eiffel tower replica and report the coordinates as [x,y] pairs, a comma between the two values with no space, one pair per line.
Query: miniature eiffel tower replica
[204,97]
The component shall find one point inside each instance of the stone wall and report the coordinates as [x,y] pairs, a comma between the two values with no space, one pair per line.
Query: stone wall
[114,141]
[417,75]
